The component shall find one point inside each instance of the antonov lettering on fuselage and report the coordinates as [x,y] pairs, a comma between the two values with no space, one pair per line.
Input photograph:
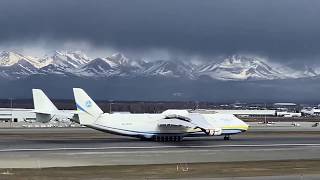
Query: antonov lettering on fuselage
[171,125]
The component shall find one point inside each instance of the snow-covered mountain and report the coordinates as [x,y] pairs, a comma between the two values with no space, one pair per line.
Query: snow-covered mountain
[240,68]
[14,65]
[10,58]
[20,69]
[64,61]
[169,68]
[97,68]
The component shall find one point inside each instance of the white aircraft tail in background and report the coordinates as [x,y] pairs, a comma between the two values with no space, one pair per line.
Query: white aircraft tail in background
[45,110]
[42,103]
[43,107]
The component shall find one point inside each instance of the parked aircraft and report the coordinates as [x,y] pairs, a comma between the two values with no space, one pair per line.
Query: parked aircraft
[46,111]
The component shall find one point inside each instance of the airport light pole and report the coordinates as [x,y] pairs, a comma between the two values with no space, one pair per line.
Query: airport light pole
[265,116]
[11,103]
[110,106]
[11,111]
[196,105]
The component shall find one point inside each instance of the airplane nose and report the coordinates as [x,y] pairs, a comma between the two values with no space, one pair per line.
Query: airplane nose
[245,125]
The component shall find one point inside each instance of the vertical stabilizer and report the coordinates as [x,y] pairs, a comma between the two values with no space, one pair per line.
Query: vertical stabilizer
[88,110]
[42,103]
[43,107]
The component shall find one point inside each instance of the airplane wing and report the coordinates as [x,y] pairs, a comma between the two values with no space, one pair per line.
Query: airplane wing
[192,120]
[175,122]
[200,121]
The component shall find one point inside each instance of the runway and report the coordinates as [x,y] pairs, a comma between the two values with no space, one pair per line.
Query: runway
[63,147]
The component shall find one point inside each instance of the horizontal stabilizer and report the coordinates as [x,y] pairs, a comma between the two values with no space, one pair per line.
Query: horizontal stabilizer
[44,118]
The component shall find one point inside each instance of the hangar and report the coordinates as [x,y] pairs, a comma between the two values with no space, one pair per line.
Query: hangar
[239,112]
[16,115]
[22,115]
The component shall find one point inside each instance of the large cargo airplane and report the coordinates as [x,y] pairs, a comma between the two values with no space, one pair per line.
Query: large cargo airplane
[171,125]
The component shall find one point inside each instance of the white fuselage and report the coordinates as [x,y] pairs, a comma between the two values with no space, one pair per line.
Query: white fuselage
[149,125]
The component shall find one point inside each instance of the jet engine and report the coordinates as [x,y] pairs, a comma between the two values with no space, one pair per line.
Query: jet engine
[214,132]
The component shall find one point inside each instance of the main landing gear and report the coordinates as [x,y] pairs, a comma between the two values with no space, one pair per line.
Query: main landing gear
[227,137]
[167,138]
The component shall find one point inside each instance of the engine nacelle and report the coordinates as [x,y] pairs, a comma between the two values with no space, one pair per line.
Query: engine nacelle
[214,132]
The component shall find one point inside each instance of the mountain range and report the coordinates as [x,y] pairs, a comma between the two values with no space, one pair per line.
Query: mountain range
[14,65]
[224,79]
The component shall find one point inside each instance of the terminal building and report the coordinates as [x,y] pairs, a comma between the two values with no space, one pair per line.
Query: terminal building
[239,112]
[23,115]
[16,115]
[290,107]
[311,111]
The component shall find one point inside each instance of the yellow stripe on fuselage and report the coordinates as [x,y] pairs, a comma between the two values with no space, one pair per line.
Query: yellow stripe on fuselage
[241,127]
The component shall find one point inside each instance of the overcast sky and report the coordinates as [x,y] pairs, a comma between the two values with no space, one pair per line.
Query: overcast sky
[282,30]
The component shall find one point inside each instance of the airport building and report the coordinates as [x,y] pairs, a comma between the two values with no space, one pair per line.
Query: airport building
[311,111]
[239,112]
[290,107]
[316,112]
[288,114]
[24,115]
[16,115]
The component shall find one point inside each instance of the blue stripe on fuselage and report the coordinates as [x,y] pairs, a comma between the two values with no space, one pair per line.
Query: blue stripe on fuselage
[227,131]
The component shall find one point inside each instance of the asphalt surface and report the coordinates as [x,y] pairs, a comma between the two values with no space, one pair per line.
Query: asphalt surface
[293,177]
[284,126]
[63,147]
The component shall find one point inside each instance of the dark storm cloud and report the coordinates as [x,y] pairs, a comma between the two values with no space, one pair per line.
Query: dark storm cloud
[283,29]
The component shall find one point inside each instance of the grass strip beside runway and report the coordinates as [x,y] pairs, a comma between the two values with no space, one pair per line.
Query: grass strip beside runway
[193,170]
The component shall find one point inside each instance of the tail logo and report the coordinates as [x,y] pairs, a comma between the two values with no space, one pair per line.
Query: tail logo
[88,103]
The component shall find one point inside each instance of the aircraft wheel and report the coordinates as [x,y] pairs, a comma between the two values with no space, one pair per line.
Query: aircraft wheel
[175,139]
[144,139]
[155,138]
[167,138]
[227,138]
